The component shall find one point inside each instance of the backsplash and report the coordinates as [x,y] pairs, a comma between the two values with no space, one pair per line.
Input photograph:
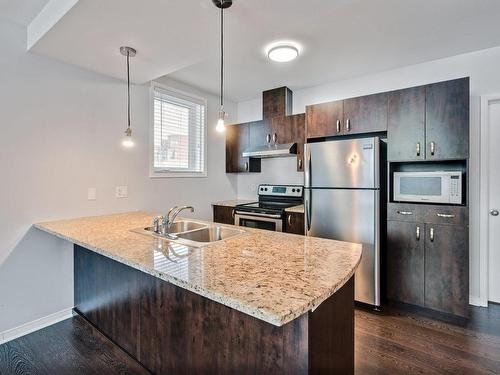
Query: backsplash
[274,171]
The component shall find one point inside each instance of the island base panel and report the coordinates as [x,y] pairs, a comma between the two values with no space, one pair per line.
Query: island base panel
[171,330]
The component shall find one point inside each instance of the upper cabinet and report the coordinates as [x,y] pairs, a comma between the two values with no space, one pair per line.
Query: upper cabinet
[366,114]
[277,103]
[291,129]
[447,120]
[406,124]
[429,122]
[237,141]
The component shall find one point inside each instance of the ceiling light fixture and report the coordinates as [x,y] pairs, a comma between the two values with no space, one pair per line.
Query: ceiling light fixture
[282,52]
[128,52]
[222,4]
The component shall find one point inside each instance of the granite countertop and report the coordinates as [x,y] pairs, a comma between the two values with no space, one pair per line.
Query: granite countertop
[272,276]
[233,202]
[297,209]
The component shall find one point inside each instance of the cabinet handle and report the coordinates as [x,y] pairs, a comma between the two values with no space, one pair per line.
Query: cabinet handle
[300,163]
[246,166]
[348,125]
[418,233]
[404,212]
[275,138]
[338,126]
[448,216]
[268,138]
[431,234]
[418,148]
[232,213]
[289,219]
[433,148]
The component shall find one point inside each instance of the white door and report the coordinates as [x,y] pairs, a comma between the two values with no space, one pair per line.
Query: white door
[494,202]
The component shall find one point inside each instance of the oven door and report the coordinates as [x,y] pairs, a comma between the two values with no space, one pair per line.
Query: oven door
[259,221]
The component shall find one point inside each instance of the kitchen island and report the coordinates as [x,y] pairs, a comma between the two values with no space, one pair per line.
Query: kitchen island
[259,302]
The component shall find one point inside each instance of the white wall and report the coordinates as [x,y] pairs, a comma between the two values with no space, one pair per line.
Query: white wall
[481,66]
[60,132]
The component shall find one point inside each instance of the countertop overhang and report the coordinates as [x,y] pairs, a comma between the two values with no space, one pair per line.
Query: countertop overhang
[272,276]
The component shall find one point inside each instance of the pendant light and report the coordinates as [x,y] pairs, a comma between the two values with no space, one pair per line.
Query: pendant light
[128,52]
[222,4]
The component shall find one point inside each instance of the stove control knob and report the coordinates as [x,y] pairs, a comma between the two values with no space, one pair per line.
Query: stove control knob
[293,190]
[261,189]
[298,190]
[265,189]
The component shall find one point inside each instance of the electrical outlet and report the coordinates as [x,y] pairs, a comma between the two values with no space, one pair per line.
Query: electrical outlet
[92,194]
[121,191]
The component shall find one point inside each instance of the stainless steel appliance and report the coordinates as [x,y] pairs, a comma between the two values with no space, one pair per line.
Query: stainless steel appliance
[269,212]
[429,187]
[342,202]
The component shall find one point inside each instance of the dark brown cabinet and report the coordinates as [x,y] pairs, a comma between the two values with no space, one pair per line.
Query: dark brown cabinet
[237,141]
[325,119]
[290,129]
[447,268]
[429,122]
[224,214]
[294,223]
[277,103]
[406,124]
[405,262]
[428,257]
[447,120]
[365,114]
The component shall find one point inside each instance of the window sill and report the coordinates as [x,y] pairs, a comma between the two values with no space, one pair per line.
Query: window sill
[177,174]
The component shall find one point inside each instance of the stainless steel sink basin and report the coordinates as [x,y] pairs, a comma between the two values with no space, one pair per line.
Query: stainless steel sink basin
[192,233]
[210,234]
[182,226]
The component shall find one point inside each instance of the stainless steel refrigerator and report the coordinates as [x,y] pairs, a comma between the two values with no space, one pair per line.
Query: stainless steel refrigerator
[342,202]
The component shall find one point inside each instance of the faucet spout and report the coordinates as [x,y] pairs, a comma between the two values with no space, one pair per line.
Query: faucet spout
[176,212]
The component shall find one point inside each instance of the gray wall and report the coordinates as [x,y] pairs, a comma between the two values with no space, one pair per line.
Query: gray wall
[60,132]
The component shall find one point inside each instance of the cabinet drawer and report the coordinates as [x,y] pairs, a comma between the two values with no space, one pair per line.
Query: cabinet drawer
[456,215]
[403,212]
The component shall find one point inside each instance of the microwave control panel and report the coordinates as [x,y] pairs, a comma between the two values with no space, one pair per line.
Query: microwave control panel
[455,189]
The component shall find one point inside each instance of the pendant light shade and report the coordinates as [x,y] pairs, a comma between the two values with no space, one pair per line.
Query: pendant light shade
[221,4]
[128,52]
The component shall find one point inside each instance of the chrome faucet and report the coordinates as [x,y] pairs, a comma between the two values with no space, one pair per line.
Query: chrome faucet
[161,224]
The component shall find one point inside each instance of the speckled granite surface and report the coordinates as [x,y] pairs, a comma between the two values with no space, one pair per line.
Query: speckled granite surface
[272,276]
[298,209]
[233,202]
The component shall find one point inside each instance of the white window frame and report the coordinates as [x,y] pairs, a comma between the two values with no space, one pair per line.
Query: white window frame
[169,174]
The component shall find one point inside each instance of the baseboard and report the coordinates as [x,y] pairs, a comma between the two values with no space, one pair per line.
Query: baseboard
[477,301]
[35,325]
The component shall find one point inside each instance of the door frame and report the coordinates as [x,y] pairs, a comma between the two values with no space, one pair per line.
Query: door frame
[484,198]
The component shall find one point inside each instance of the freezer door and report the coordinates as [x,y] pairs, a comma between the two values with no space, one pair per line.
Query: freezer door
[352,163]
[353,216]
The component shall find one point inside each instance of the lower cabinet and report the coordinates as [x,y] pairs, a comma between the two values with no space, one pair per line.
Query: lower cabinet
[405,262]
[428,265]
[447,268]
[224,214]
[294,223]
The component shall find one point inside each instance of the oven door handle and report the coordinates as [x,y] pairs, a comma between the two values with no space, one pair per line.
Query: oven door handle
[246,215]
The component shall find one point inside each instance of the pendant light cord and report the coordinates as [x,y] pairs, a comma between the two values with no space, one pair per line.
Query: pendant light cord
[128,89]
[221,55]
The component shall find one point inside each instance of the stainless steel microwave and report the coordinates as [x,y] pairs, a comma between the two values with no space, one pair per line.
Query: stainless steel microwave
[429,187]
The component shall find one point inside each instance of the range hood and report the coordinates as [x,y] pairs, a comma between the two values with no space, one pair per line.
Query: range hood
[271,151]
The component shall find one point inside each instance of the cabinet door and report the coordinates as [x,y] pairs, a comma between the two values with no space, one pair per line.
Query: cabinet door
[406,125]
[260,133]
[290,129]
[405,262]
[365,114]
[224,214]
[447,120]
[237,140]
[294,223]
[447,268]
[324,120]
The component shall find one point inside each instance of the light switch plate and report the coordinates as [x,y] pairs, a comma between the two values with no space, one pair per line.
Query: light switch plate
[121,191]
[92,194]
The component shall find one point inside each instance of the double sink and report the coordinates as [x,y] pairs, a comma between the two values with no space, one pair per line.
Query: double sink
[193,233]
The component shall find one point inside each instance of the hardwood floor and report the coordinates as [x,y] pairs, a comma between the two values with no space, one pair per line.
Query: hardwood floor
[72,346]
[391,342]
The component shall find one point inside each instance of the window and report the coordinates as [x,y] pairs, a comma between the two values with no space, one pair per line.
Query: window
[178,134]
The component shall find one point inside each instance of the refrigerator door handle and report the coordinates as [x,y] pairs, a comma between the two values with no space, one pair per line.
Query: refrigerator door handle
[307,205]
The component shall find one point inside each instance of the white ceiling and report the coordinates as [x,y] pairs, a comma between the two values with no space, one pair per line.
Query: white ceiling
[21,11]
[340,38]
